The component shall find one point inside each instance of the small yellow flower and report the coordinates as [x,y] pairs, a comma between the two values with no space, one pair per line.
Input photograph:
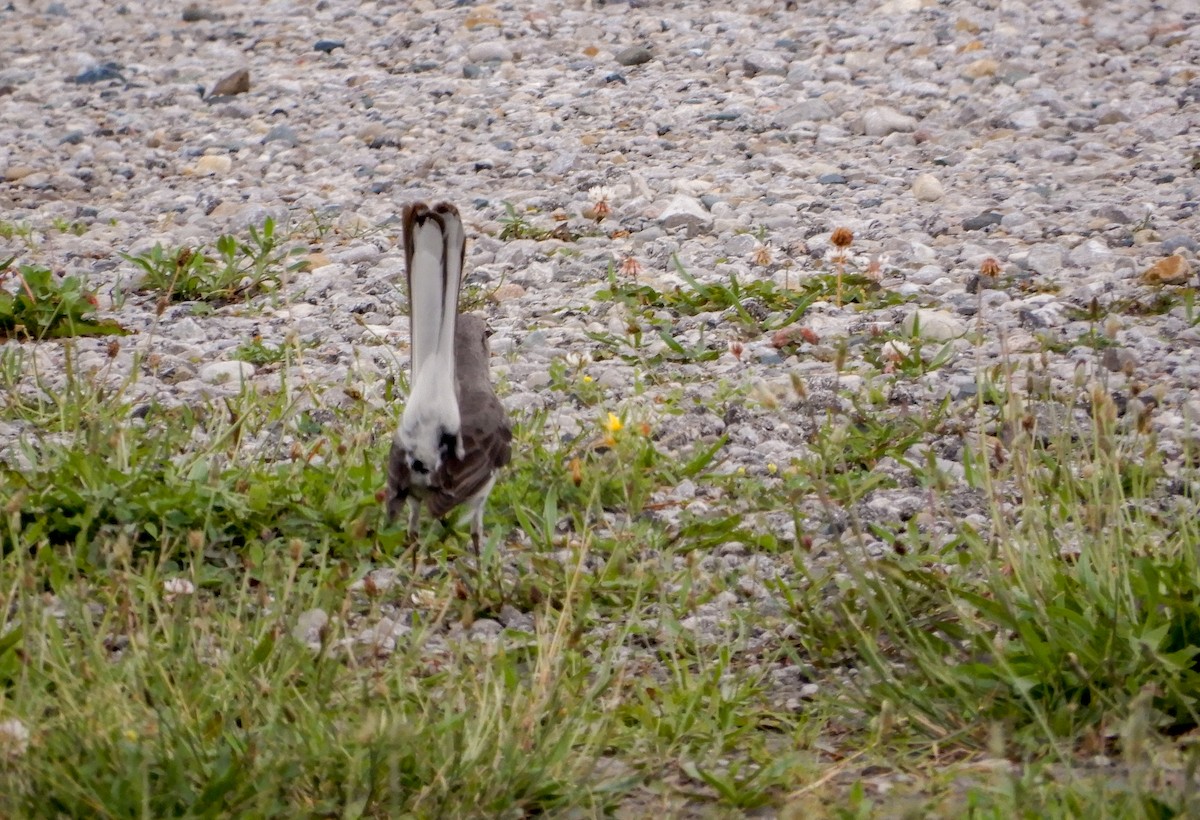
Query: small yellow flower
[587,379]
[613,424]
[741,470]
[772,468]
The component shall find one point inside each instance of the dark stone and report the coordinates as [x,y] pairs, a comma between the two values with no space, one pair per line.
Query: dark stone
[421,66]
[99,74]
[472,72]
[73,138]
[616,77]
[983,220]
[195,13]
[832,179]
[328,46]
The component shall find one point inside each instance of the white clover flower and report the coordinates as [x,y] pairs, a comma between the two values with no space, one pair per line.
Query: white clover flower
[175,587]
[601,206]
[601,193]
[14,739]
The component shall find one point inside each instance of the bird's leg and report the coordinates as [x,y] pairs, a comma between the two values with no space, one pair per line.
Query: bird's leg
[476,541]
[414,515]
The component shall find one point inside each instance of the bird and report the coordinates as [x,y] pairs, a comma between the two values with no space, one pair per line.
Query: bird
[454,434]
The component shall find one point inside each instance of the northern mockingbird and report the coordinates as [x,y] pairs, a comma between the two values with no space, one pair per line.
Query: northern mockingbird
[454,435]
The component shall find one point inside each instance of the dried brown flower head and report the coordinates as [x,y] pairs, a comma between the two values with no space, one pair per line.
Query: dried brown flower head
[842,237]
[600,208]
[989,267]
[630,267]
[762,255]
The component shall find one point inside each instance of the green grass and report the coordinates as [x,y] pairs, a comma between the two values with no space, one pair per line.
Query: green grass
[203,612]
[42,305]
[234,269]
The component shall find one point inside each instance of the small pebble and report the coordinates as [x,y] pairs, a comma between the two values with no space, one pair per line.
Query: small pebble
[236,83]
[634,55]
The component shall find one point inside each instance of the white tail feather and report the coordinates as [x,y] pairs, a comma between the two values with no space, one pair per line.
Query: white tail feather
[431,418]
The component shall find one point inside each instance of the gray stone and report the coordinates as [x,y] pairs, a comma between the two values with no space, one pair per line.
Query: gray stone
[1179,241]
[1045,259]
[1114,213]
[765,62]
[282,133]
[186,329]
[740,245]
[634,55]
[811,110]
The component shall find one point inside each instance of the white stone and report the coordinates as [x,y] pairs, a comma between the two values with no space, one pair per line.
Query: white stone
[223,372]
[490,51]
[894,350]
[927,188]
[897,7]
[880,121]
[1026,119]
[1091,252]
[213,165]
[309,626]
[933,325]
[686,212]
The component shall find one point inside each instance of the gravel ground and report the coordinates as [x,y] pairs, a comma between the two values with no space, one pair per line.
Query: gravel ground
[1061,139]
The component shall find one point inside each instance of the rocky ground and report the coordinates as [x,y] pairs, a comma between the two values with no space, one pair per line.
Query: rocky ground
[1061,140]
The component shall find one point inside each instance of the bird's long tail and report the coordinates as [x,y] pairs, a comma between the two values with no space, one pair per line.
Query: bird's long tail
[434,245]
